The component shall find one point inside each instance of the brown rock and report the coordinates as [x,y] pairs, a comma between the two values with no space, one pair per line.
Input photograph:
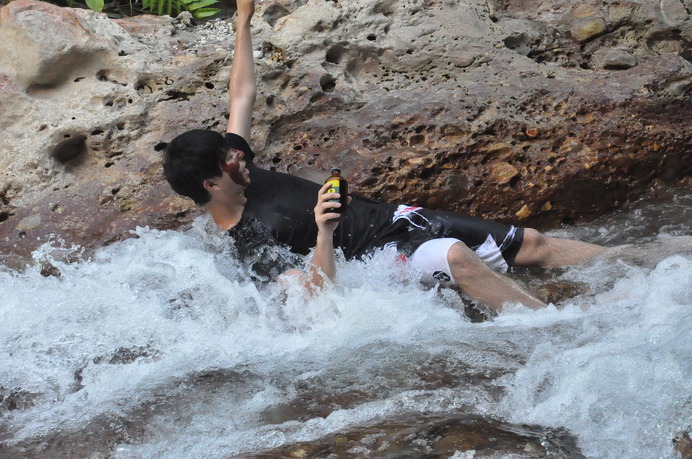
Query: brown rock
[524,212]
[435,436]
[414,106]
[619,11]
[683,444]
[532,132]
[145,23]
[504,172]
[584,11]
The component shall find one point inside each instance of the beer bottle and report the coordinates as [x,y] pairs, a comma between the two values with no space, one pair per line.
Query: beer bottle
[338,184]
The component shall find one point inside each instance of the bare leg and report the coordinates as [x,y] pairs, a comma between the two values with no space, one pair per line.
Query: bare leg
[480,282]
[549,252]
[648,254]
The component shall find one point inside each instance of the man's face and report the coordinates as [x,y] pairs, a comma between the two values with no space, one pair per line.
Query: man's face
[234,166]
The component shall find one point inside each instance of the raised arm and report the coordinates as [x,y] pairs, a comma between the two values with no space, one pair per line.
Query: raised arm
[242,88]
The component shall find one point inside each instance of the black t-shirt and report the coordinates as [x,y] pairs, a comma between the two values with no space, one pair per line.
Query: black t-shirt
[284,205]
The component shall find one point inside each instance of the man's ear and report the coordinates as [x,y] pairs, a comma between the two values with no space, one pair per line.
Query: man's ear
[209,184]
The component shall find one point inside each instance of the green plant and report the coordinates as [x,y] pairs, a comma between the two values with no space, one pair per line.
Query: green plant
[96,5]
[118,8]
[198,8]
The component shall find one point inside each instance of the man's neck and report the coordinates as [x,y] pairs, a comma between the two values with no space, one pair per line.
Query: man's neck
[226,214]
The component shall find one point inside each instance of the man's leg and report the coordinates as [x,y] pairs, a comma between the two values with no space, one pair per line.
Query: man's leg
[480,282]
[548,252]
[536,249]
[450,262]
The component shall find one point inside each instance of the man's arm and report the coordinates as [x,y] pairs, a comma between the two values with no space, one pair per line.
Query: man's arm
[242,88]
[323,260]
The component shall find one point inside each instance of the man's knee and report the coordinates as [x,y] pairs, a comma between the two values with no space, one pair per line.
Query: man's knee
[534,240]
[540,250]
[461,258]
[534,248]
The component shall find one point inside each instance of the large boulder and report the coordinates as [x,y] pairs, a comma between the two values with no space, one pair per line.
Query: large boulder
[531,111]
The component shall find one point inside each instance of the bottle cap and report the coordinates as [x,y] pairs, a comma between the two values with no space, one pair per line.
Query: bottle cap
[336,170]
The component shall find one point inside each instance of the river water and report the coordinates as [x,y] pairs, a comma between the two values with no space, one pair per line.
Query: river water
[158,346]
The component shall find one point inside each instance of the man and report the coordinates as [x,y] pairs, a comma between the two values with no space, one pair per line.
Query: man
[260,208]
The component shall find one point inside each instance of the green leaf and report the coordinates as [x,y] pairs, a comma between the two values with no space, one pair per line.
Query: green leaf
[162,7]
[173,6]
[96,5]
[206,12]
[192,6]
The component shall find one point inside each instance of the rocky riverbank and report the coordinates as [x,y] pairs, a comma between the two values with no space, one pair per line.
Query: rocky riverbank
[531,111]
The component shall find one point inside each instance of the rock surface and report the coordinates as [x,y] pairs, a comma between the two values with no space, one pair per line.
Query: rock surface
[530,111]
[451,436]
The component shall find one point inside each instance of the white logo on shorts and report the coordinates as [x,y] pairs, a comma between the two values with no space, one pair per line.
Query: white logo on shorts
[441,276]
[408,213]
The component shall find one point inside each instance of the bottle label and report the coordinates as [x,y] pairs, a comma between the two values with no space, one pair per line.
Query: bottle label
[333,186]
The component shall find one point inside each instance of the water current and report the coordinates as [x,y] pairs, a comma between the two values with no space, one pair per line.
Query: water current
[159,346]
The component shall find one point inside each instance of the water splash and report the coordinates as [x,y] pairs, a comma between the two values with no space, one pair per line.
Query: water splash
[160,346]
[622,383]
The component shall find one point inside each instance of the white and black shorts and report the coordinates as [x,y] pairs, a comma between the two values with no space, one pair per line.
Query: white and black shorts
[432,233]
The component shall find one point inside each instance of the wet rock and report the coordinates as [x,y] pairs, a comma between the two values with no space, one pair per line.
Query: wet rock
[315,404]
[123,356]
[103,434]
[558,291]
[435,436]
[683,444]
[49,270]
[29,223]
[12,399]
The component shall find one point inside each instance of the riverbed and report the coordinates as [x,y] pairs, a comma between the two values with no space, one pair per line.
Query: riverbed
[160,346]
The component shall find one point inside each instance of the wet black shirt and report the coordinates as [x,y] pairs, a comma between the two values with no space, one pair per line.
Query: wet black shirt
[265,257]
[284,205]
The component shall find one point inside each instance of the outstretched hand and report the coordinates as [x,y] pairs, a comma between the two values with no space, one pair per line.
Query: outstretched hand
[325,217]
[245,7]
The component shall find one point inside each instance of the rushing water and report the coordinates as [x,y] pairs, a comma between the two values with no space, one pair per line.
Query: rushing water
[158,346]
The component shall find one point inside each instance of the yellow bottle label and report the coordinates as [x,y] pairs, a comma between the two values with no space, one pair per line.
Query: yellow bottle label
[334,186]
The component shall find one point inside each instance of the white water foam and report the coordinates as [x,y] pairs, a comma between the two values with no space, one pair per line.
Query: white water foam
[125,334]
[623,383]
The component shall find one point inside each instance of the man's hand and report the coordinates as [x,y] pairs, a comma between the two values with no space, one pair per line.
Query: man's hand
[324,214]
[246,8]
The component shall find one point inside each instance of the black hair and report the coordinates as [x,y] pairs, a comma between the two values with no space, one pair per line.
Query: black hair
[190,159]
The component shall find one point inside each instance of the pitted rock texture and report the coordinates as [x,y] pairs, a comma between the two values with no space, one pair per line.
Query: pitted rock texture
[535,112]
